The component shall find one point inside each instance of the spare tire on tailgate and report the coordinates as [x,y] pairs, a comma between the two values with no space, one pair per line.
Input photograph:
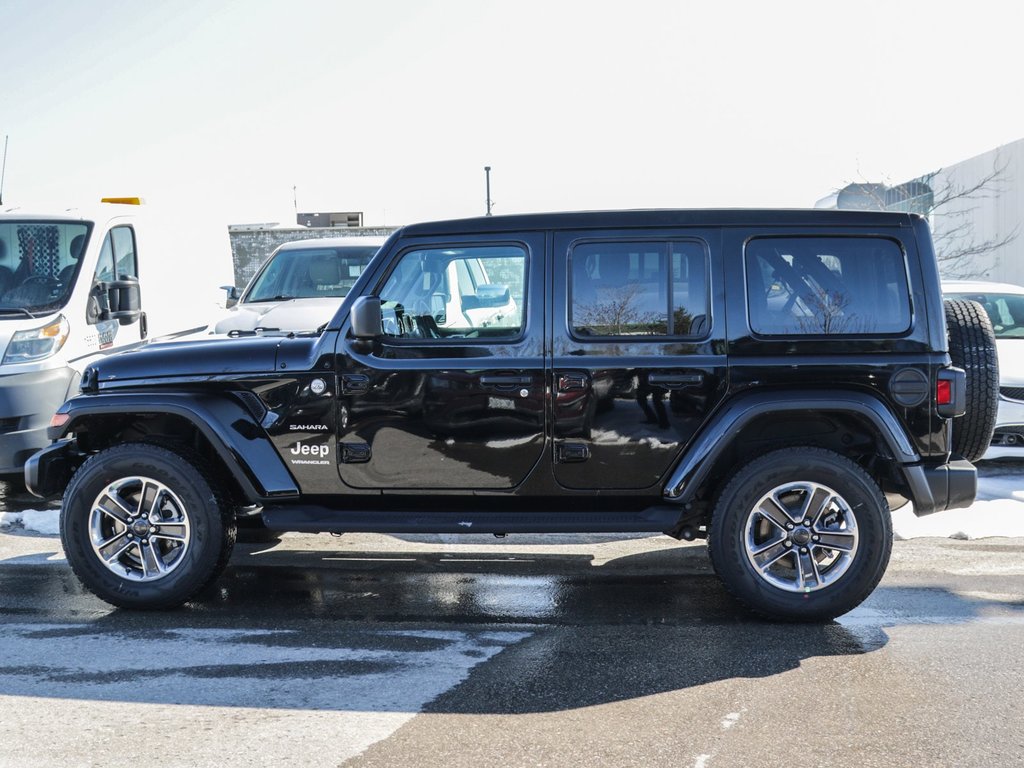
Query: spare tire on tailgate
[972,346]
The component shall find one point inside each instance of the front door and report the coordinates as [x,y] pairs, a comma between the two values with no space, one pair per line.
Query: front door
[451,395]
[638,353]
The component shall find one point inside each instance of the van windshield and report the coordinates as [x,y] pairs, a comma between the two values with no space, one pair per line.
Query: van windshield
[310,273]
[38,263]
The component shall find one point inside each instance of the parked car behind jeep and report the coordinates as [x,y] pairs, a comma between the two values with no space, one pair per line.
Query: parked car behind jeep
[299,287]
[773,381]
[1004,305]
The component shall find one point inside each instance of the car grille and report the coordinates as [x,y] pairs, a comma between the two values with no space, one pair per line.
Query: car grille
[9,425]
[1013,393]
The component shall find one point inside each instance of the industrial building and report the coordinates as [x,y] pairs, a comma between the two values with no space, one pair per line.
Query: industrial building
[975,207]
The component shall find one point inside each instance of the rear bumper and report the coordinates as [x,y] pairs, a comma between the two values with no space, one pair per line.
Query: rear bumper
[937,488]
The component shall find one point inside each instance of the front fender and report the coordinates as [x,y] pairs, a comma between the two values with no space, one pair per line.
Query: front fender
[240,442]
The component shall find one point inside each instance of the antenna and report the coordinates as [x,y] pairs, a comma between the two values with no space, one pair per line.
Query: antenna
[3,171]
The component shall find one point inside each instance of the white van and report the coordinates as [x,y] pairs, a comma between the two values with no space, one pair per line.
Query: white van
[76,284]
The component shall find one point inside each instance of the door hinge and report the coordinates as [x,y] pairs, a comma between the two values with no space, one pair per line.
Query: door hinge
[354,383]
[355,453]
[570,453]
[572,382]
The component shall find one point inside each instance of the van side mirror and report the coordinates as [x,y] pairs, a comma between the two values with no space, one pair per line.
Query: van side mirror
[119,300]
[232,295]
[365,317]
[493,295]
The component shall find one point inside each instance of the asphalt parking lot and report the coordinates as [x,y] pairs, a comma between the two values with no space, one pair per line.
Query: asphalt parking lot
[575,650]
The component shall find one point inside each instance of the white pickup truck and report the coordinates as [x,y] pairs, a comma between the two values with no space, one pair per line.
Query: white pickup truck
[79,283]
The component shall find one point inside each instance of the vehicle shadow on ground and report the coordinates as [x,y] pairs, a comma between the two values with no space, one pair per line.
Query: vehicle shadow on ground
[480,632]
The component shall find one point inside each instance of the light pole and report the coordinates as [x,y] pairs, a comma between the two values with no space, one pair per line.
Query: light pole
[487,174]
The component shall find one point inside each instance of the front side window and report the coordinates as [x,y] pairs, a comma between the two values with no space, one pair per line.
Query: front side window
[117,256]
[38,263]
[471,292]
[311,273]
[832,286]
[639,289]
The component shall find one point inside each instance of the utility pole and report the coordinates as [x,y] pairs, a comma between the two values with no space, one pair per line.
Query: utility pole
[487,172]
[3,171]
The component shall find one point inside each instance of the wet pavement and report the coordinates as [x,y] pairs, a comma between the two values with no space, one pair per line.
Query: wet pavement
[573,650]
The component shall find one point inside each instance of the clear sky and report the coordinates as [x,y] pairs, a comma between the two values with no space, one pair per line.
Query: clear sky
[393,108]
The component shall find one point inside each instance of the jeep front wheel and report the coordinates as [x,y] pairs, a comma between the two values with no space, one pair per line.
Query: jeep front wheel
[801,534]
[142,527]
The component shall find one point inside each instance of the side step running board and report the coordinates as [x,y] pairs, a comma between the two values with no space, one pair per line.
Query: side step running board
[314,519]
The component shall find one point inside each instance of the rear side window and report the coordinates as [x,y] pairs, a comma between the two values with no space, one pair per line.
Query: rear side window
[832,286]
[639,289]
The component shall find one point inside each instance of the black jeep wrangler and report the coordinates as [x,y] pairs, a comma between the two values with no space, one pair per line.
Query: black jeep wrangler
[774,381]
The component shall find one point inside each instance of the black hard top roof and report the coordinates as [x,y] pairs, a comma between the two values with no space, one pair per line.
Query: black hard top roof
[721,217]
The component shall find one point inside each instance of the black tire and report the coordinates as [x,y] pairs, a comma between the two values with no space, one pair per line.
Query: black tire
[863,568]
[210,521]
[972,346]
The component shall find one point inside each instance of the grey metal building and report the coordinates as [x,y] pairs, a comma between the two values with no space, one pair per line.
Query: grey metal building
[252,244]
[975,207]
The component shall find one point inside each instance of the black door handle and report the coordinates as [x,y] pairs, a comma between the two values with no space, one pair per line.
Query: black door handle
[675,380]
[506,381]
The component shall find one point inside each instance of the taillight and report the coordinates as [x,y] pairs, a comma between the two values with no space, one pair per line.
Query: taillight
[951,392]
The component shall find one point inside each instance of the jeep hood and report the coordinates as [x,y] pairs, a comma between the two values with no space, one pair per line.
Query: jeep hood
[210,357]
[293,315]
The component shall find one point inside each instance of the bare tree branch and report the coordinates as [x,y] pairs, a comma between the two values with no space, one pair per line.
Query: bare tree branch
[944,201]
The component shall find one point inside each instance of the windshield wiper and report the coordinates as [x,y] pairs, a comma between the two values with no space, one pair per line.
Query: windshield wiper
[272,298]
[15,310]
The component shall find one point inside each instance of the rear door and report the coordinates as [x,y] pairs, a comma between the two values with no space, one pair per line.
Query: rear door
[452,394]
[638,352]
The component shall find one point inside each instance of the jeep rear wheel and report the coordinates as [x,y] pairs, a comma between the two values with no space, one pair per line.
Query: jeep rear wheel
[972,346]
[801,534]
[142,527]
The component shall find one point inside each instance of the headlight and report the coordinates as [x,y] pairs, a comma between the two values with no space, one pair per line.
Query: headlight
[38,343]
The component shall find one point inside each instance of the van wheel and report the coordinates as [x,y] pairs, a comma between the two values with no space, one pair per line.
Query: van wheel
[143,527]
[801,534]
[972,346]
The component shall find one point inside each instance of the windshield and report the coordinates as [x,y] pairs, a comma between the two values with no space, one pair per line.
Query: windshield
[311,273]
[1005,310]
[38,264]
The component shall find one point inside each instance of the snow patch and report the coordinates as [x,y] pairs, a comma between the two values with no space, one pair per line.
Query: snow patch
[730,720]
[44,521]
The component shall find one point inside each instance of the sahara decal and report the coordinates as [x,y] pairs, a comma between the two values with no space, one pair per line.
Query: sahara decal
[307,428]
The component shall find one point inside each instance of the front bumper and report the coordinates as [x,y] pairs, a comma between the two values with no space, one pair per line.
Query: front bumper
[27,401]
[48,471]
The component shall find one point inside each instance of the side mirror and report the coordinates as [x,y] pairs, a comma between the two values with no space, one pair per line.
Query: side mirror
[493,295]
[232,293]
[365,318]
[120,300]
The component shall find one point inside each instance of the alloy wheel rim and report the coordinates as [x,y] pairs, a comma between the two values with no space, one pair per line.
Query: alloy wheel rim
[139,529]
[801,537]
